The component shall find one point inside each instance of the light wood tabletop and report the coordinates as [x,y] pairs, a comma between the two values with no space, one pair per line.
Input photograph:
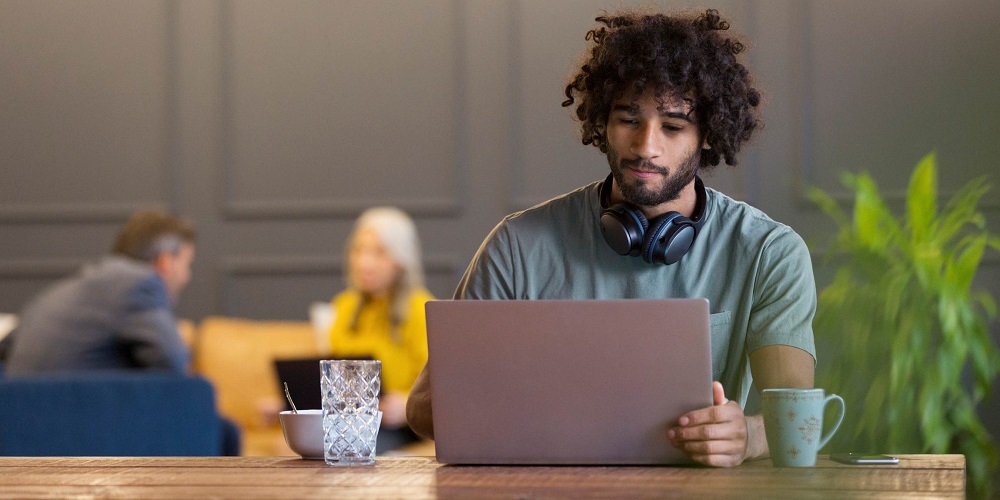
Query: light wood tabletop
[916,476]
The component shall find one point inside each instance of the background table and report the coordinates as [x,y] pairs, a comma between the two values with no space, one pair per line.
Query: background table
[916,476]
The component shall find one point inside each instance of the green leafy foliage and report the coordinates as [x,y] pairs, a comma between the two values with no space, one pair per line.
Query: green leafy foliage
[904,324]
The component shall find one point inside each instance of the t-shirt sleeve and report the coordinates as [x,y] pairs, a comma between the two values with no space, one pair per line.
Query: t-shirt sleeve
[490,275]
[784,301]
[149,328]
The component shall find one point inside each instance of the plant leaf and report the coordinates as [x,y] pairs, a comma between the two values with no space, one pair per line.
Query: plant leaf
[921,198]
[913,351]
[961,211]
[960,271]
[870,215]
[828,205]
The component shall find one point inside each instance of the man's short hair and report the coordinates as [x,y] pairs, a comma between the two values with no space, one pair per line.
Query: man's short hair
[148,233]
[682,56]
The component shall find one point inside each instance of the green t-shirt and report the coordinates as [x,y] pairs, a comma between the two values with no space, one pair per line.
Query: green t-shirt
[755,272]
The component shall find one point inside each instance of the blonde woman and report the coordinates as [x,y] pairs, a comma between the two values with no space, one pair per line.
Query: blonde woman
[381,313]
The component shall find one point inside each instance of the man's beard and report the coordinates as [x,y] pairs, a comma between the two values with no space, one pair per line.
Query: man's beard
[639,193]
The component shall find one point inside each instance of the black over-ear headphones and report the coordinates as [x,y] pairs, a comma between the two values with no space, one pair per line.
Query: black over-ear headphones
[664,240]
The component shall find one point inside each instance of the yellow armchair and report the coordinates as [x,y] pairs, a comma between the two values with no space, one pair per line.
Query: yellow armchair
[237,356]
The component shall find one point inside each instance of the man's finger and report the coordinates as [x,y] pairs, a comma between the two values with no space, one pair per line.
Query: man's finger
[718,394]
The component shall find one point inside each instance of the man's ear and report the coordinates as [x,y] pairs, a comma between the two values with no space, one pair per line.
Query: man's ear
[705,145]
[162,263]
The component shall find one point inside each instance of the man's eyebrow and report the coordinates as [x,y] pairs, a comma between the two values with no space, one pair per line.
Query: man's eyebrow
[631,109]
[678,115]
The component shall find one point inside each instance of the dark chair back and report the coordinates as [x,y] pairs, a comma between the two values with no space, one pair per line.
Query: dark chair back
[108,414]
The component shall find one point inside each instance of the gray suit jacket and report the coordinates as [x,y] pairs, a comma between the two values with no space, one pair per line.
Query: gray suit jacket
[113,315]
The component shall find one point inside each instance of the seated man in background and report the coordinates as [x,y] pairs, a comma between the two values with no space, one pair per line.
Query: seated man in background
[116,314]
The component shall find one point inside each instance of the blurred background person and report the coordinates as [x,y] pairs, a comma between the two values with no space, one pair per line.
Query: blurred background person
[381,313]
[117,313]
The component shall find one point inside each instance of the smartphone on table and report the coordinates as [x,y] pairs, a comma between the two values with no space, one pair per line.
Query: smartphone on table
[864,459]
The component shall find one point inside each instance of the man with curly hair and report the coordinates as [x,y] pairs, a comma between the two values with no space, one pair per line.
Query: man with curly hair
[664,97]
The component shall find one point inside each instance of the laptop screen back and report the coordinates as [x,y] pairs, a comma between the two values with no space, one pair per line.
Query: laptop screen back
[303,378]
[565,381]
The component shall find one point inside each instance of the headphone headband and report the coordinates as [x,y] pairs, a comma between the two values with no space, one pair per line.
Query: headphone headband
[701,199]
[664,239]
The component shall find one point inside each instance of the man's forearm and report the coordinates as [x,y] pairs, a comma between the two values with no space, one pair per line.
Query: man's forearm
[756,438]
[776,366]
[419,414]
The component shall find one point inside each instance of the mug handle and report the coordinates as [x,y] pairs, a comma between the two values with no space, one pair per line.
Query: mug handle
[840,418]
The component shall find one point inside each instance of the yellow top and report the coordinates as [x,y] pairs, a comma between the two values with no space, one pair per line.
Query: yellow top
[401,361]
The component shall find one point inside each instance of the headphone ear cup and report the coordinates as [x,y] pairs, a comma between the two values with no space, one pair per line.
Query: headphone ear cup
[624,229]
[668,239]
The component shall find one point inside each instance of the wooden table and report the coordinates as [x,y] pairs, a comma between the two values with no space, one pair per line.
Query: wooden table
[916,476]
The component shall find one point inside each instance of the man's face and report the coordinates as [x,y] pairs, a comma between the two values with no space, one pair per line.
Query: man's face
[175,269]
[653,148]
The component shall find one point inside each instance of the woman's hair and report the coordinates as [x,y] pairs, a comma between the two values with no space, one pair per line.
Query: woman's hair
[680,56]
[148,233]
[398,234]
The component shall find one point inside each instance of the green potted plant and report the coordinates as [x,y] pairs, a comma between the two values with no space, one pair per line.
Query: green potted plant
[907,337]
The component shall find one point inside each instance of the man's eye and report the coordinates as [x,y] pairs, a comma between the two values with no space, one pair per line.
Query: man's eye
[672,128]
[627,121]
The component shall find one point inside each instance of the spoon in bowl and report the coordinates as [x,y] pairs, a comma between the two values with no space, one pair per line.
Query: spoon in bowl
[289,396]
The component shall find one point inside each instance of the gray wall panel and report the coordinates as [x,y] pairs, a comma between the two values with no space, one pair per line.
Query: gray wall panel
[333,109]
[86,94]
[272,124]
[905,79]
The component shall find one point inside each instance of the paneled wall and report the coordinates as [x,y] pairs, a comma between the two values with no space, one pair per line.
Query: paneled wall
[272,124]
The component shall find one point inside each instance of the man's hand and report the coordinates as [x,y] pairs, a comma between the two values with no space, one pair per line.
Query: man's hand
[722,435]
[393,407]
[716,436]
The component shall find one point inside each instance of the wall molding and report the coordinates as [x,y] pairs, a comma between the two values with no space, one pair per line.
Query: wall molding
[42,269]
[339,206]
[303,264]
[818,257]
[53,213]
[897,199]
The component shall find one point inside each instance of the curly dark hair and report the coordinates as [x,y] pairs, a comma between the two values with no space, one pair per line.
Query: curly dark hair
[680,56]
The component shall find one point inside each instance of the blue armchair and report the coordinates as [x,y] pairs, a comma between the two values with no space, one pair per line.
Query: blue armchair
[108,414]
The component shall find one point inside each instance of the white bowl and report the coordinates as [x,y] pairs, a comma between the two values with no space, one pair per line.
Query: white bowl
[304,432]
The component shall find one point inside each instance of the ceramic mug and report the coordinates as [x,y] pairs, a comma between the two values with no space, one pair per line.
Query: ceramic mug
[793,423]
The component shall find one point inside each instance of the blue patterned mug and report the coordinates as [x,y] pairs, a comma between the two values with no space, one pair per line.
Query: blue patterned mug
[793,422]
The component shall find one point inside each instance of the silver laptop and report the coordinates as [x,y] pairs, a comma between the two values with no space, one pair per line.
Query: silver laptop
[565,381]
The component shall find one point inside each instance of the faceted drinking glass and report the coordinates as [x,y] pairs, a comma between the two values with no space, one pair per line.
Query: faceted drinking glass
[350,410]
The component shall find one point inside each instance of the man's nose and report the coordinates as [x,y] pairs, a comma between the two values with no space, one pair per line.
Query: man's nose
[645,144]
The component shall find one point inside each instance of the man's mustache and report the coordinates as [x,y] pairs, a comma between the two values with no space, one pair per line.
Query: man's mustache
[644,165]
